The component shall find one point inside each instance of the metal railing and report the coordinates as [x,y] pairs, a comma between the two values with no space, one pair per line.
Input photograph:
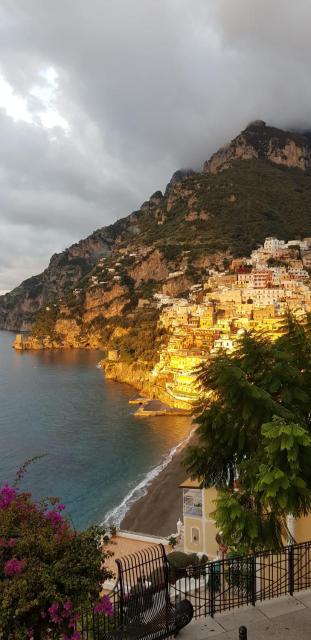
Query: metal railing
[240,580]
[96,626]
[211,588]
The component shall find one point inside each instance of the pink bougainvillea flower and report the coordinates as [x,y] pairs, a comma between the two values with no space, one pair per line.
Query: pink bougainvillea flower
[42,614]
[7,496]
[67,608]
[53,611]
[55,518]
[29,633]
[14,566]
[12,542]
[73,621]
[104,606]
[75,636]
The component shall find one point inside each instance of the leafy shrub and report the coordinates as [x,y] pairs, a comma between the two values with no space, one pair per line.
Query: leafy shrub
[48,571]
[179,559]
[45,322]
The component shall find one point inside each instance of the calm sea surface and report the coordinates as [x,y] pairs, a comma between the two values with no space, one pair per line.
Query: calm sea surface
[97,452]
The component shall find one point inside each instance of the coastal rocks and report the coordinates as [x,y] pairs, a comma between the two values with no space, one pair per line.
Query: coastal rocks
[141,378]
[134,374]
[29,343]
[68,332]
[67,335]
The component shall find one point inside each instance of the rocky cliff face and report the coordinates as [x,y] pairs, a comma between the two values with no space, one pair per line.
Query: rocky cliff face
[258,141]
[19,307]
[201,220]
[138,377]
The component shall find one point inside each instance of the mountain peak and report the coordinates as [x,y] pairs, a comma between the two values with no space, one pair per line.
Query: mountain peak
[256,124]
[179,176]
[261,141]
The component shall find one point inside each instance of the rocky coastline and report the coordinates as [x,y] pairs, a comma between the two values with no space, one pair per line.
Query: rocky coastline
[136,374]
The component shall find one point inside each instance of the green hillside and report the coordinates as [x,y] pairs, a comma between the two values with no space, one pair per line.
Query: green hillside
[244,204]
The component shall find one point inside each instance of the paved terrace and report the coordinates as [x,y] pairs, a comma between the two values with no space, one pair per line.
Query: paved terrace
[284,618]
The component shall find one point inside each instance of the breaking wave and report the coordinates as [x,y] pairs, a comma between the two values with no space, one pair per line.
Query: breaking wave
[116,515]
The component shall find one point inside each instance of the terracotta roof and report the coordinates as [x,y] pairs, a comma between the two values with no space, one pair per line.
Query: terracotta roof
[190,484]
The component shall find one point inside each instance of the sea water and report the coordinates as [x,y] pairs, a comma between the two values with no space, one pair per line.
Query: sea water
[97,456]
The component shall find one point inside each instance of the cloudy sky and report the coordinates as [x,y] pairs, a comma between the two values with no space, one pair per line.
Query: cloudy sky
[101,100]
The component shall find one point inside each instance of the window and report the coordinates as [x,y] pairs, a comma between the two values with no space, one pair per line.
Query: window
[195,535]
[193,502]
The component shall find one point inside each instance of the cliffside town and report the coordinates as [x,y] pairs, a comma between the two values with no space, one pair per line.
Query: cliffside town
[162,288]
[253,293]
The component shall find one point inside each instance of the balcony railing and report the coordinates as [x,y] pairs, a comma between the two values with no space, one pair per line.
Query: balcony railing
[193,502]
[193,510]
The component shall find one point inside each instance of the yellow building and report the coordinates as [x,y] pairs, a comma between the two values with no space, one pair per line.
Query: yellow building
[199,526]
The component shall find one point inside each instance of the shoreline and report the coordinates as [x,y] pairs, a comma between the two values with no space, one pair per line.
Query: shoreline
[157,511]
[155,504]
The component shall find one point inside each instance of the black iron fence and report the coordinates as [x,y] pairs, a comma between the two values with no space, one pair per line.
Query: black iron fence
[211,588]
[96,626]
[239,580]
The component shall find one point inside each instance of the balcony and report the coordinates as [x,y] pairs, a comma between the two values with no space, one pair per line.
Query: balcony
[193,502]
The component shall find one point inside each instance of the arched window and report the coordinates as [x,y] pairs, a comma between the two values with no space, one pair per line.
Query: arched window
[195,535]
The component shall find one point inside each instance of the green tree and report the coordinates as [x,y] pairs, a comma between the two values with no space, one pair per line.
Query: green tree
[254,430]
[45,322]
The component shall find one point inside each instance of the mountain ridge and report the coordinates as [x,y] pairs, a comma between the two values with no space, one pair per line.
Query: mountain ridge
[288,148]
[250,188]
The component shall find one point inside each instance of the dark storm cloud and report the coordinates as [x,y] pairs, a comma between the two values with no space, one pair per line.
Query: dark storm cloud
[146,86]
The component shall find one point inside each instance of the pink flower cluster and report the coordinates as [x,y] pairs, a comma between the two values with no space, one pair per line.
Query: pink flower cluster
[56,519]
[104,606]
[14,566]
[63,615]
[75,636]
[8,543]
[7,496]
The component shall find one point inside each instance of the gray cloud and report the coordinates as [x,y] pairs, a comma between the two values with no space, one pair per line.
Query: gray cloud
[146,87]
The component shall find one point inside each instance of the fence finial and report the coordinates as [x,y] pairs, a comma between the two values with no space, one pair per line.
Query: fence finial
[243,633]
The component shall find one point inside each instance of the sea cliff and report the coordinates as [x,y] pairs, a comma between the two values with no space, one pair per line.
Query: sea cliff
[142,379]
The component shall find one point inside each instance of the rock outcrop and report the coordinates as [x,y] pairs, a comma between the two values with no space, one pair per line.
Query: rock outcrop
[19,307]
[259,141]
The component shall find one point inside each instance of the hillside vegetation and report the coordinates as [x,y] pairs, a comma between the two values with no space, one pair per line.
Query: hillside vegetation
[258,185]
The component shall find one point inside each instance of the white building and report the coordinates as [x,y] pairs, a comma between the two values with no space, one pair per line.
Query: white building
[263,296]
[272,245]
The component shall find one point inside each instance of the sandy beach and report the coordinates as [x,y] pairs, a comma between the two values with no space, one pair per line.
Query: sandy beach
[157,512]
